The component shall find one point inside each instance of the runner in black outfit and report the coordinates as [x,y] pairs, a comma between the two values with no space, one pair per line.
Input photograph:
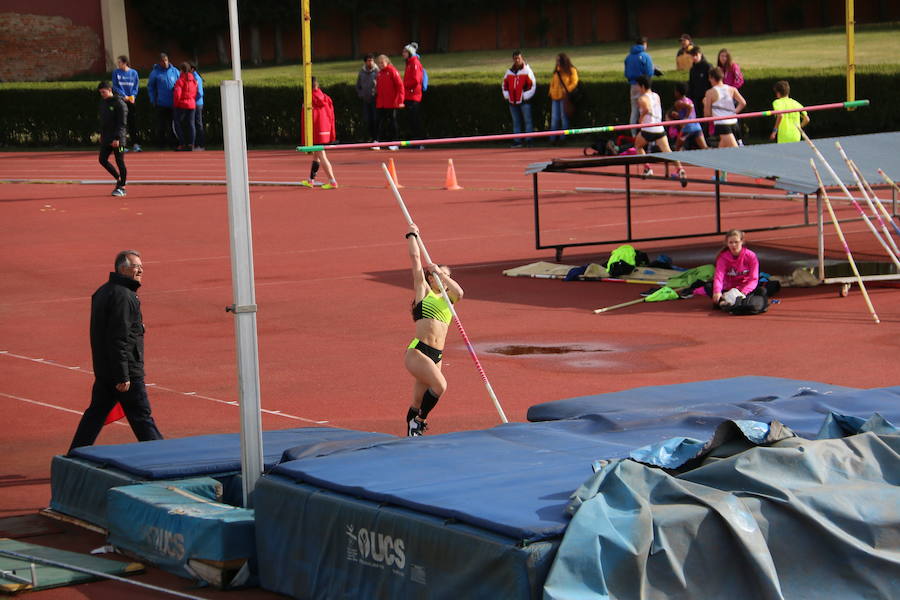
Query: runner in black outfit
[113,117]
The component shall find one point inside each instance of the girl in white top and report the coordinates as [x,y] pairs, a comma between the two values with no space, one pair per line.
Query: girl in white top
[650,111]
[722,100]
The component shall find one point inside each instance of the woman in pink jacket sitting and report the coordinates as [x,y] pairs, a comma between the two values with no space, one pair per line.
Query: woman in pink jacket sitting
[737,268]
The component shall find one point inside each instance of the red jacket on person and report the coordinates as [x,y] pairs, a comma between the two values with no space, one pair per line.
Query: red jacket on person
[389,88]
[412,79]
[519,86]
[323,119]
[185,92]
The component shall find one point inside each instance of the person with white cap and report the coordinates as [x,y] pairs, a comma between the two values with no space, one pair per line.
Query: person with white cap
[413,78]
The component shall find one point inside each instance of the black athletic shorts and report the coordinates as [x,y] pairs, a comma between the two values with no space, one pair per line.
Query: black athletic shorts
[726,129]
[651,137]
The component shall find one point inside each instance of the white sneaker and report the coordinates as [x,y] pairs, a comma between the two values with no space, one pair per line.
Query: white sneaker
[118,192]
[393,147]
[648,172]
[137,148]
[376,147]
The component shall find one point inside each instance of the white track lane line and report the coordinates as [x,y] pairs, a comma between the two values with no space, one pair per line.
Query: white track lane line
[51,363]
[62,408]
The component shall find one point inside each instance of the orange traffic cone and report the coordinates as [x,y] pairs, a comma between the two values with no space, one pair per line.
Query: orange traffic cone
[393,171]
[450,182]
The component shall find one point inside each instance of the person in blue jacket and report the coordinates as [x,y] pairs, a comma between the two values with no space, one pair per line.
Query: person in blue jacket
[160,86]
[637,63]
[200,136]
[126,83]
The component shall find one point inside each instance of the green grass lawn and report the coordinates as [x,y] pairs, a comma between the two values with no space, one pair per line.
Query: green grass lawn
[877,46]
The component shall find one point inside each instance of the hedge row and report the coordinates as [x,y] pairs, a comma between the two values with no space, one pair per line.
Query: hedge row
[44,115]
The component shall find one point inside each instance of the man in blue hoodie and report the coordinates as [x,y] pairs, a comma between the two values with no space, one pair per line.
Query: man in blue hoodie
[160,88]
[125,83]
[637,63]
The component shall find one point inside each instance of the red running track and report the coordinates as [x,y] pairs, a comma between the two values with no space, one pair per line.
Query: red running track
[333,287]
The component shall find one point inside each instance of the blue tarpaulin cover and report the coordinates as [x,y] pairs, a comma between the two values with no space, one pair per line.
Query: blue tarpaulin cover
[797,519]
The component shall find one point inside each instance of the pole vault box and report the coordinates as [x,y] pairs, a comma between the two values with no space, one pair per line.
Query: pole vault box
[315,543]
[182,527]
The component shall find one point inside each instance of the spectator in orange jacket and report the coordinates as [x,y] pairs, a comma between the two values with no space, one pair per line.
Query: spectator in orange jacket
[389,97]
[412,90]
[323,133]
[518,87]
[185,102]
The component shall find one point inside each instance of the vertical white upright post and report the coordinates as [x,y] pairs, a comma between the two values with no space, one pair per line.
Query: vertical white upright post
[244,294]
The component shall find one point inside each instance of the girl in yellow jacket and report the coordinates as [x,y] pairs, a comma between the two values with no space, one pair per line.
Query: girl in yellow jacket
[562,82]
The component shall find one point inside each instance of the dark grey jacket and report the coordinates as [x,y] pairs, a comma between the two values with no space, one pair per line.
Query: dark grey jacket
[117,330]
[365,84]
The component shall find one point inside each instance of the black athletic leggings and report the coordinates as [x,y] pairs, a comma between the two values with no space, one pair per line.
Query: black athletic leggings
[119,153]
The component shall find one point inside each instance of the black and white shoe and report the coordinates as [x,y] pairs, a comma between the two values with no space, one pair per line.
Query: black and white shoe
[119,192]
[415,428]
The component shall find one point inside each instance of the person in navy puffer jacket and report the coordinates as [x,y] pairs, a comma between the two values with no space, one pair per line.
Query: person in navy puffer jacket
[160,88]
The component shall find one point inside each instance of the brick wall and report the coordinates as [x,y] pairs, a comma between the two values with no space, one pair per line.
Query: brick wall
[43,47]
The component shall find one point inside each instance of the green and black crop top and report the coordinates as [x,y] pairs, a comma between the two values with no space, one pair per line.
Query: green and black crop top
[432,306]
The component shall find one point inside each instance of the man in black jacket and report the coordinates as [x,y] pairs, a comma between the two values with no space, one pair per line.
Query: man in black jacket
[117,349]
[699,80]
[113,117]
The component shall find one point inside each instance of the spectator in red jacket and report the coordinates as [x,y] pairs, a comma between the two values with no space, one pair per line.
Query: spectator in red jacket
[323,133]
[185,102]
[389,97]
[518,87]
[412,90]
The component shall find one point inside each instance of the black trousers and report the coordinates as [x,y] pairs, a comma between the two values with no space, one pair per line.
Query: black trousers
[165,128]
[104,396]
[132,122]
[370,118]
[388,129]
[122,174]
[199,133]
[414,120]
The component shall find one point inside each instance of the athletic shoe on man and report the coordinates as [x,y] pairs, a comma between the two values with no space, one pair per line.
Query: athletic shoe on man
[119,192]
[393,147]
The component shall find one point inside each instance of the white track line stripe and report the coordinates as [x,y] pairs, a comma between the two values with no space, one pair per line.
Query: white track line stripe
[62,408]
[43,361]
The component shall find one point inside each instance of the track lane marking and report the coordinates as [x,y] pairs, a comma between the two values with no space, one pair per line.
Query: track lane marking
[52,363]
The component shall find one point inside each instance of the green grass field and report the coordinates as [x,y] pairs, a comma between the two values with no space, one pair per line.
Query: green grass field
[877,47]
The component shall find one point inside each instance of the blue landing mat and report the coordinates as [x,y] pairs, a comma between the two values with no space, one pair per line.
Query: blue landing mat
[679,397]
[79,482]
[213,454]
[515,479]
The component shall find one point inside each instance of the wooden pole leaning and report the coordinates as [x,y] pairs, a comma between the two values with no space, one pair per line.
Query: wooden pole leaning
[877,200]
[844,189]
[462,332]
[840,234]
[866,194]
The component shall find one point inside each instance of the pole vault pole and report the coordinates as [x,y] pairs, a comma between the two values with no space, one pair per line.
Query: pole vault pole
[876,199]
[865,193]
[459,326]
[582,131]
[851,198]
[837,227]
